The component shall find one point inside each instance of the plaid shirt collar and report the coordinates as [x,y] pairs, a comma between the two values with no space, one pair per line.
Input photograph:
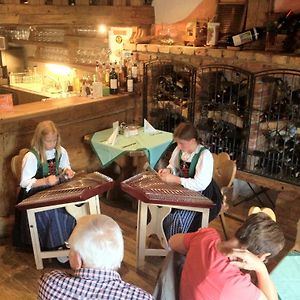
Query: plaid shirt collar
[97,275]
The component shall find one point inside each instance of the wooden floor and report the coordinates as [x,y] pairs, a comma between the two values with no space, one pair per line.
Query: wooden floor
[19,278]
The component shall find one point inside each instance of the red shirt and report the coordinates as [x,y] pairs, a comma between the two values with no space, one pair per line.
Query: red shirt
[207,274]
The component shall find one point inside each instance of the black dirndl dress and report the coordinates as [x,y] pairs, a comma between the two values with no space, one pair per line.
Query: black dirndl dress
[182,221]
[54,226]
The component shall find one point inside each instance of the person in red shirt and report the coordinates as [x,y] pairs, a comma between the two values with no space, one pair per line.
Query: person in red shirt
[212,268]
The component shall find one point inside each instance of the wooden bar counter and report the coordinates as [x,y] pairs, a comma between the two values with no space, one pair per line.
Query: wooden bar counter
[74,116]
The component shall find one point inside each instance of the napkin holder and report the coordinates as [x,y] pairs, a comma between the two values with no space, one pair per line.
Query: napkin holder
[130,131]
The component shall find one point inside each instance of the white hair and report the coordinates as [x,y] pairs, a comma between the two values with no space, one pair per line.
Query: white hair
[98,240]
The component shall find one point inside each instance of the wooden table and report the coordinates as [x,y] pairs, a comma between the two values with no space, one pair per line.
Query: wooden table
[160,197]
[153,145]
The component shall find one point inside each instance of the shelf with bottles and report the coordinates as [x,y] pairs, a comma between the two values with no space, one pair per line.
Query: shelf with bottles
[282,31]
[274,125]
[172,91]
[274,141]
[277,156]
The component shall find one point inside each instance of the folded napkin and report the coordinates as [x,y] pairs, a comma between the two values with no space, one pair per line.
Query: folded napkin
[113,137]
[148,128]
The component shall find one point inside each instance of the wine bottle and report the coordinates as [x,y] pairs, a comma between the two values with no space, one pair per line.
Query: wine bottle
[134,71]
[129,83]
[247,36]
[98,72]
[281,23]
[113,81]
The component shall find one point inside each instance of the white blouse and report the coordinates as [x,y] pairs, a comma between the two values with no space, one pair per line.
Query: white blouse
[30,164]
[203,172]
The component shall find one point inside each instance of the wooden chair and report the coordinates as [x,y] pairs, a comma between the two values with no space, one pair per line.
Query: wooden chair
[297,242]
[16,164]
[75,209]
[224,173]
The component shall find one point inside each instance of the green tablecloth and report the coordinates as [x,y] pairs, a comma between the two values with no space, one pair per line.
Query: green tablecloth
[286,277]
[154,145]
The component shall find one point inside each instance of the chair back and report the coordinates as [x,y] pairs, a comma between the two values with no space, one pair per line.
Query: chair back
[224,173]
[16,163]
[224,170]
[297,242]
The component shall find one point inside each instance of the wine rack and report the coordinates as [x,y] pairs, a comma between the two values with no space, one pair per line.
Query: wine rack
[255,117]
[274,140]
[225,107]
[168,93]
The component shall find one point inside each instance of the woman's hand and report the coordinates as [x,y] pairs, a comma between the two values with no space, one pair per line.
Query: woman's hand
[164,171]
[169,178]
[52,180]
[69,173]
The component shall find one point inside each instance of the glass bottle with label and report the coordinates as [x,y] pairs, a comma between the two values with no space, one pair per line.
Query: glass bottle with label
[113,81]
[134,72]
[247,36]
[129,83]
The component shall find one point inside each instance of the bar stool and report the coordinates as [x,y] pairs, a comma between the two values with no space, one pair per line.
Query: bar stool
[160,198]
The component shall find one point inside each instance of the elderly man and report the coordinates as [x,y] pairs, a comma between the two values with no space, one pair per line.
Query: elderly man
[96,252]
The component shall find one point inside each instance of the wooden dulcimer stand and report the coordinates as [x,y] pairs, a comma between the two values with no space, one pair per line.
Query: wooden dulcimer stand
[160,197]
[79,196]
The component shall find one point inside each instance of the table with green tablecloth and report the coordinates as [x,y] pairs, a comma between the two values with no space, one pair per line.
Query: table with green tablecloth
[154,145]
[286,277]
[130,154]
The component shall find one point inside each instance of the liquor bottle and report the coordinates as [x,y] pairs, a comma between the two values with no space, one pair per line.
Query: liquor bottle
[113,81]
[88,85]
[129,83]
[124,73]
[97,84]
[108,68]
[104,74]
[83,91]
[76,82]
[121,78]
[98,72]
[247,36]
[134,72]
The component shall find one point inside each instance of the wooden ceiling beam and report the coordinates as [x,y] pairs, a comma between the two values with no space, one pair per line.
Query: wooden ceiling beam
[14,14]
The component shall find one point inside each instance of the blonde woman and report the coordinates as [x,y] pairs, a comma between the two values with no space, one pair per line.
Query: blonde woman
[45,165]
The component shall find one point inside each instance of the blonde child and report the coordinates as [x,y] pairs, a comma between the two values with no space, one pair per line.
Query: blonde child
[45,165]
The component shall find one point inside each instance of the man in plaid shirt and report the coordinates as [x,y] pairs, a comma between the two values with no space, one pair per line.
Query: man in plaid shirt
[96,252]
